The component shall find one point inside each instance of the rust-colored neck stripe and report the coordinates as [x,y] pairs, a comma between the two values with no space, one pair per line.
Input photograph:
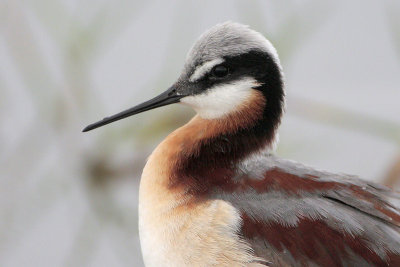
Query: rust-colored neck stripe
[209,149]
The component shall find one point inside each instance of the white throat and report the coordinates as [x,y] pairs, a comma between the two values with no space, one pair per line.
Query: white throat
[221,100]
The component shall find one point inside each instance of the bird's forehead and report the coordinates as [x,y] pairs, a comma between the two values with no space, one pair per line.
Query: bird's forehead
[227,40]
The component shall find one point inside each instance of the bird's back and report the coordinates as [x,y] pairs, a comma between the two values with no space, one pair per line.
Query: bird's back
[297,216]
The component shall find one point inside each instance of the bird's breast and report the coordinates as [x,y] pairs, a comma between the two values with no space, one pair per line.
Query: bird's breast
[179,229]
[179,223]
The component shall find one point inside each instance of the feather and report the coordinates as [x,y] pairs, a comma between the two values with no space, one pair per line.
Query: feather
[299,216]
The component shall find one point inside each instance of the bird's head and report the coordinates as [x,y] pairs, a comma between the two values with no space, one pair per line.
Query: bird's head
[228,65]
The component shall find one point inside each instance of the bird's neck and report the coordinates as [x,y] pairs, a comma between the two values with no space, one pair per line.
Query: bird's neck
[202,154]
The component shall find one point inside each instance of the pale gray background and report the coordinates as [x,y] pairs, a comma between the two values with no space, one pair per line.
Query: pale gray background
[70,199]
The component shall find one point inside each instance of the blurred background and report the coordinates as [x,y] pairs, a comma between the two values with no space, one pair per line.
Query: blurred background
[70,199]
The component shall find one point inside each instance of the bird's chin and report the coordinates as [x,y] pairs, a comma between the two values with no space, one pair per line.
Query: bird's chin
[221,100]
[206,109]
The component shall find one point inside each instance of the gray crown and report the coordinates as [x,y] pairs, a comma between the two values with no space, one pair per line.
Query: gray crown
[227,39]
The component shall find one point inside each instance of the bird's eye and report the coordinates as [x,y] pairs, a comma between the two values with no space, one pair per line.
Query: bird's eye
[220,71]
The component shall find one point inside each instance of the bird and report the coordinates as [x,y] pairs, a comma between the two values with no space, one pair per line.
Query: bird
[213,193]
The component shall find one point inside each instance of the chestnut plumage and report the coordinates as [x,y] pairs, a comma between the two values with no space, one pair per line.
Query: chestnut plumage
[212,194]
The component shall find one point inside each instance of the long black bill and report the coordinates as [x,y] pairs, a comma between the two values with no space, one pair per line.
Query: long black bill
[168,97]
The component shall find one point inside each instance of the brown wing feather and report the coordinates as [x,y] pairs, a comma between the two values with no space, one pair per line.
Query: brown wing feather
[298,216]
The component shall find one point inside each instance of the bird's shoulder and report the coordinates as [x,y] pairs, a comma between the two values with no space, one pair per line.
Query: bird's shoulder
[299,215]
